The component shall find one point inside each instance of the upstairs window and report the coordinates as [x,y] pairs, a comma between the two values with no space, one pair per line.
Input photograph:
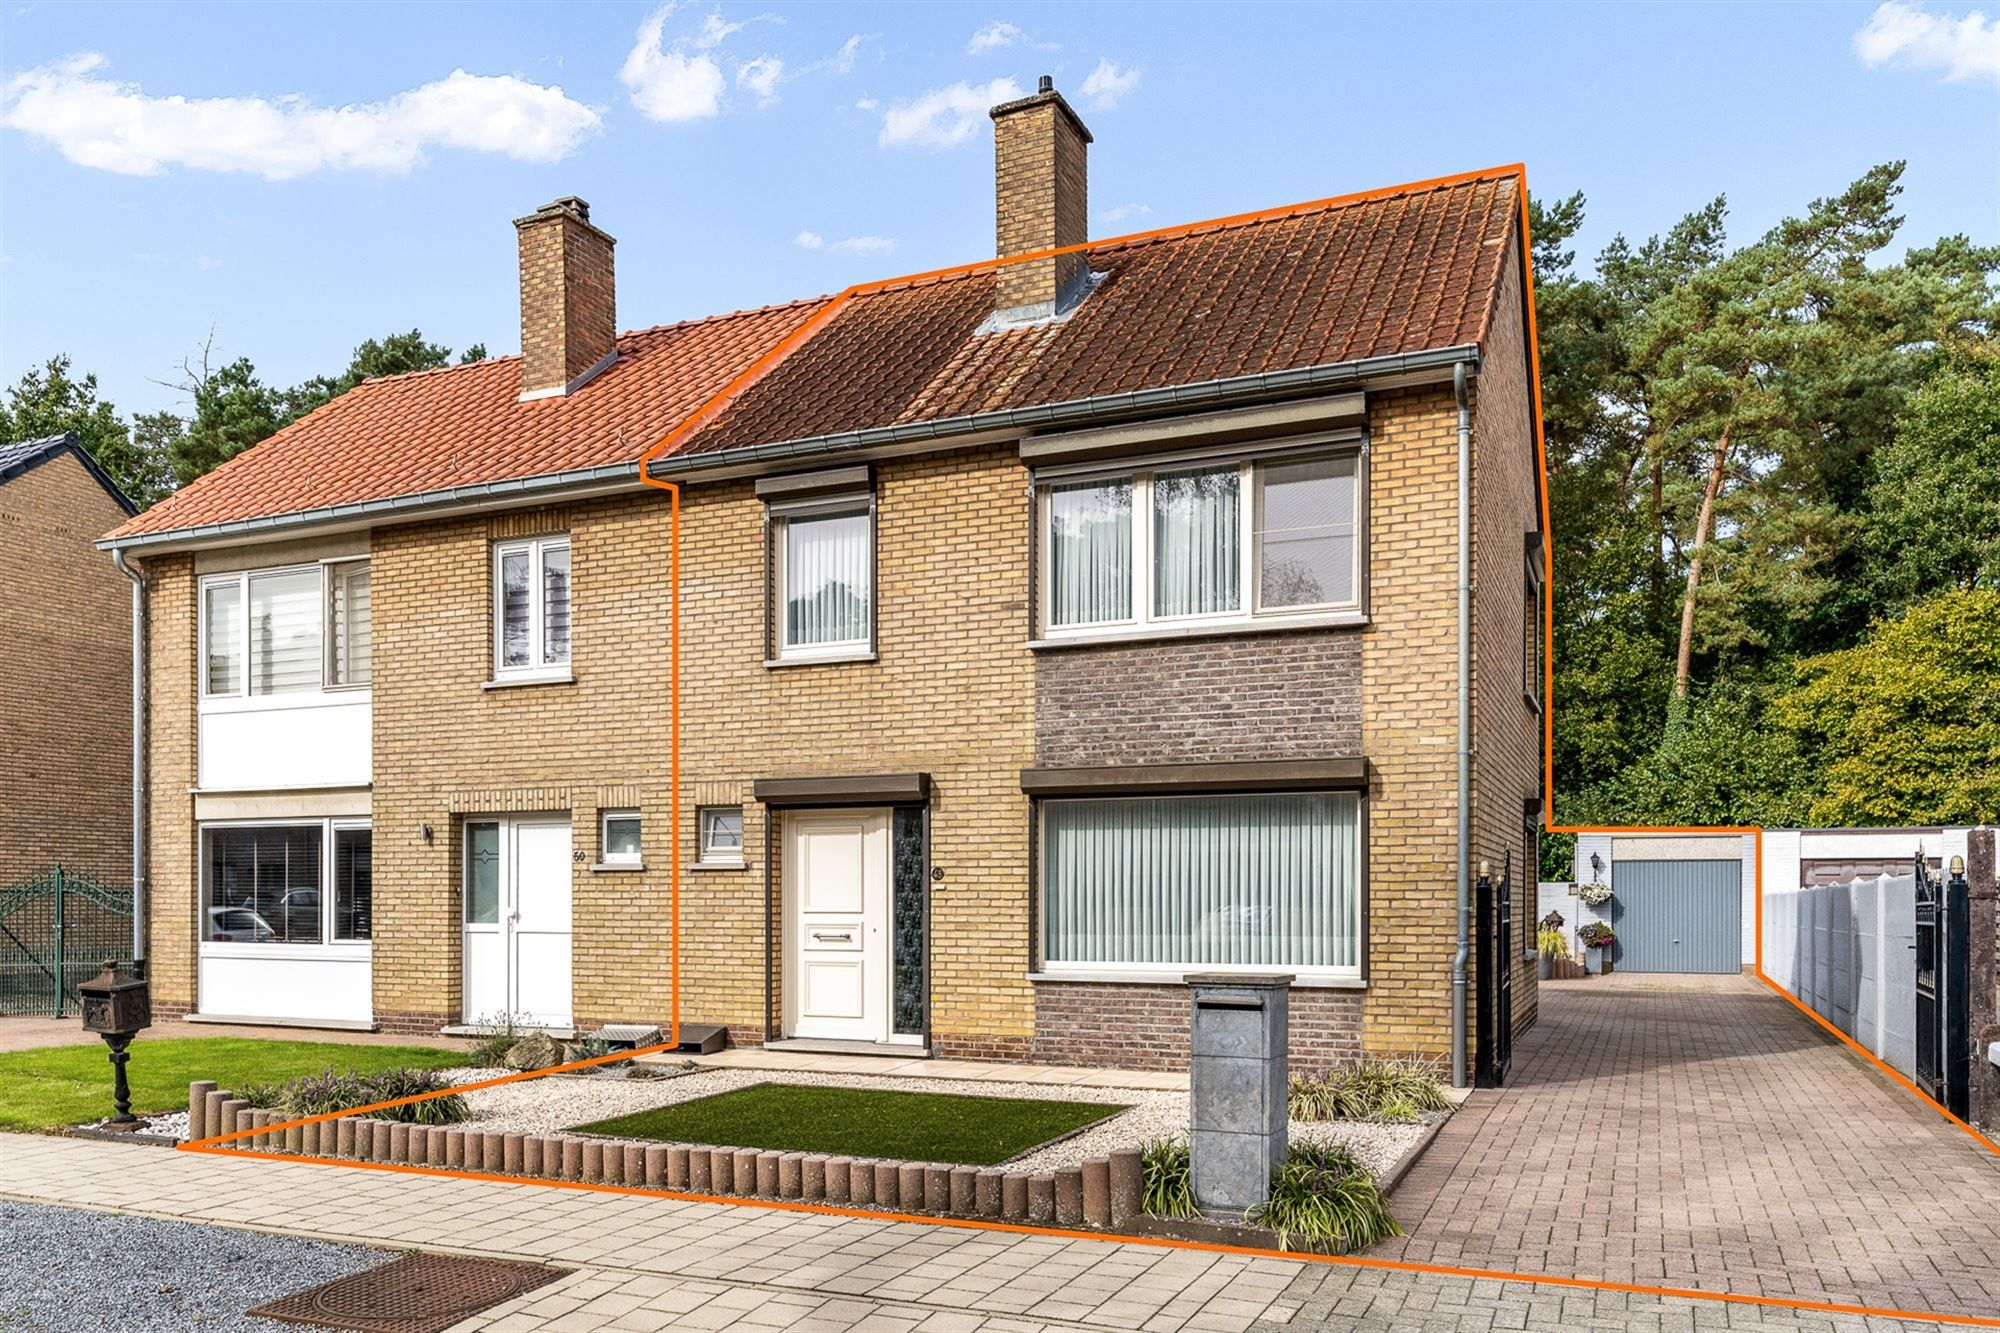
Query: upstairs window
[1211,542]
[531,608]
[823,559]
[285,631]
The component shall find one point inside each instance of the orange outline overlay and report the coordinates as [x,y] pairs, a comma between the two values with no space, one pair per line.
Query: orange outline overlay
[769,361]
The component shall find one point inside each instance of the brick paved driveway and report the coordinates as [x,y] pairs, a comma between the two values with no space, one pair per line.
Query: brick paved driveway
[1714,1140]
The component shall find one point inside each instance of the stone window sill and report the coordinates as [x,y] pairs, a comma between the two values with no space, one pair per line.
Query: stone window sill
[1234,629]
[1304,981]
[602,867]
[515,682]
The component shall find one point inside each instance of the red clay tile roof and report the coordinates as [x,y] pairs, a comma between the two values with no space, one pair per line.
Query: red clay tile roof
[1375,277]
[1389,273]
[465,425]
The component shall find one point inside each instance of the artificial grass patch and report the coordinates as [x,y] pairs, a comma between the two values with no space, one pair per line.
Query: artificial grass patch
[70,1085]
[862,1122]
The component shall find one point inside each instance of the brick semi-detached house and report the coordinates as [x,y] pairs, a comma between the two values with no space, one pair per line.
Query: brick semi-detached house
[1048,631]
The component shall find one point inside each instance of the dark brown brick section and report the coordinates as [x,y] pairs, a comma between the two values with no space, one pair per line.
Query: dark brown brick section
[1288,695]
[1120,1025]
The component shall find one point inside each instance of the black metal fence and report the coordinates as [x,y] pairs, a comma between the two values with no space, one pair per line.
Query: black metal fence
[56,929]
[1493,910]
[1944,938]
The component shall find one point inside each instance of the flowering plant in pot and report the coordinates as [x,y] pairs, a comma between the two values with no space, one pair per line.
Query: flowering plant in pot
[1597,940]
[1594,894]
[1552,943]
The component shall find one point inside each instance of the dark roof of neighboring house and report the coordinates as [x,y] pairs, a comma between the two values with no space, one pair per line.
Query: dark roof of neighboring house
[21,455]
[1413,269]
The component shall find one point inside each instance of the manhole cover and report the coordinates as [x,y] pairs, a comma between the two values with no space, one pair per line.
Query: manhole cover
[423,1293]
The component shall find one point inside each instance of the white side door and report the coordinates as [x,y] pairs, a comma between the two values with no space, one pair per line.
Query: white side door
[516,895]
[539,925]
[836,883]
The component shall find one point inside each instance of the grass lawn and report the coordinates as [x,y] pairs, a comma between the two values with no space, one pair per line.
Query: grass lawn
[71,1085]
[862,1122]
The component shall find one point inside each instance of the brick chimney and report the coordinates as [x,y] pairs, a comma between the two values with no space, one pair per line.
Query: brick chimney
[569,305]
[1040,172]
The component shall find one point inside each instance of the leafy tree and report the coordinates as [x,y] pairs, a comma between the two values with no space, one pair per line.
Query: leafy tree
[1935,506]
[1904,728]
[397,354]
[233,410]
[51,401]
[1557,855]
[1715,764]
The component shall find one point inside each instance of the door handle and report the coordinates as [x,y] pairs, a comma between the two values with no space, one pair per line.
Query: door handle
[833,934]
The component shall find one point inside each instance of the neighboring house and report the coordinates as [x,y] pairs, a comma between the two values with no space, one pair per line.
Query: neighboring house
[1681,902]
[66,673]
[1047,632]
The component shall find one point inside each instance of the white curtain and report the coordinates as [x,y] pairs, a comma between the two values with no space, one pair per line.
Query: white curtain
[285,632]
[1204,880]
[1306,532]
[1090,552]
[826,579]
[555,605]
[1195,542]
[224,651]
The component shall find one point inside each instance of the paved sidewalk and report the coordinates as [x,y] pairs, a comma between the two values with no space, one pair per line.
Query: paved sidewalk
[1710,1140]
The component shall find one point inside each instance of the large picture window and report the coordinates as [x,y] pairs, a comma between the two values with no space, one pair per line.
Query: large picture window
[269,883]
[823,561]
[285,631]
[531,608]
[1152,884]
[1215,542]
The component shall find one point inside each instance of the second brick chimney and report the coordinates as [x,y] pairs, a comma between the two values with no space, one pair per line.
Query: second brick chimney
[1041,179]
[569,305]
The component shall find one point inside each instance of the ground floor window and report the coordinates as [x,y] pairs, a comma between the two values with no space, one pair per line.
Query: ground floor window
[267,883]
[1245,881]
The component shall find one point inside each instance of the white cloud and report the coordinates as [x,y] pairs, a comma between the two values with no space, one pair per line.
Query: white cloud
[943,117]
[865,245]
[1108,84]
[207,263]
[99,122]
[1124,211]
[992,37]
[1911,37]
[809,240]
[670,85]
[761,76]
[714,30]
[865,104]
[842,61]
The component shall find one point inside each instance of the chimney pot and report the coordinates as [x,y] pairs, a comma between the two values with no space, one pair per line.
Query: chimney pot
[569,307]
[1041,192]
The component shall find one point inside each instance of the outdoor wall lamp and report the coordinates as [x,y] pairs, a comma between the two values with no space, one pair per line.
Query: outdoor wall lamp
[1596,865]
[426,831]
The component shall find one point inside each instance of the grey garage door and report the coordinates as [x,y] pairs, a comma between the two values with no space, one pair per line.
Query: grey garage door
[1678,916]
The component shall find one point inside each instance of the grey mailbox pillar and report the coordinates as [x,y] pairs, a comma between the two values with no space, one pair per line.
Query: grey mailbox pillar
[1238,1080]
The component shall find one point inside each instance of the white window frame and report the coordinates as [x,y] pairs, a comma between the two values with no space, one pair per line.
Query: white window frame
[605,856]
[705,853]
[780,516]
[328,947]
[241,697]
[1154,973]
[536,548]
[1139,472]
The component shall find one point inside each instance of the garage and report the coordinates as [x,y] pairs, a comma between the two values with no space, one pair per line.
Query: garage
[1678,916]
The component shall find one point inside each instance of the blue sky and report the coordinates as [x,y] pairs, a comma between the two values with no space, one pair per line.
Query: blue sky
[353,184]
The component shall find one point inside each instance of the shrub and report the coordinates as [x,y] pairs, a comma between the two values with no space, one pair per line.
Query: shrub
[1371,1090]
[329,1093]
[1552,942]
[1168,1188]
[1597,935]
[501,1032]
[1325,1201]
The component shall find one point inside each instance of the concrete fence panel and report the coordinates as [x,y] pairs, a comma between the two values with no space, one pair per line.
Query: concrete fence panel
[1848,953]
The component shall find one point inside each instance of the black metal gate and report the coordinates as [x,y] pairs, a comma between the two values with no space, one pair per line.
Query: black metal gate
[56,929]
[1944,996]
[1493,909]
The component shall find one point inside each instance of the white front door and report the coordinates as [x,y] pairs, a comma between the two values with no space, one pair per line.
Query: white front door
[517,921]
[836,877]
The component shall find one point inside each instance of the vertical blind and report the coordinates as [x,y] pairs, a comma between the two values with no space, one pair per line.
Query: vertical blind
[285,632]
[1196,543]
[827,579]
[1255,880]
[1090,552]
[1306,531]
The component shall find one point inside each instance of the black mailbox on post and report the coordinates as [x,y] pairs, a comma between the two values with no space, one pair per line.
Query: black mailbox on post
[117,1006]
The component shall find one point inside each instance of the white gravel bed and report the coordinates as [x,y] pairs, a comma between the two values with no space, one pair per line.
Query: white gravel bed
[559,1103]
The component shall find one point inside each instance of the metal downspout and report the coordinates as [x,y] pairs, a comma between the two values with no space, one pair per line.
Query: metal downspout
[138,756]
[1461,861]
